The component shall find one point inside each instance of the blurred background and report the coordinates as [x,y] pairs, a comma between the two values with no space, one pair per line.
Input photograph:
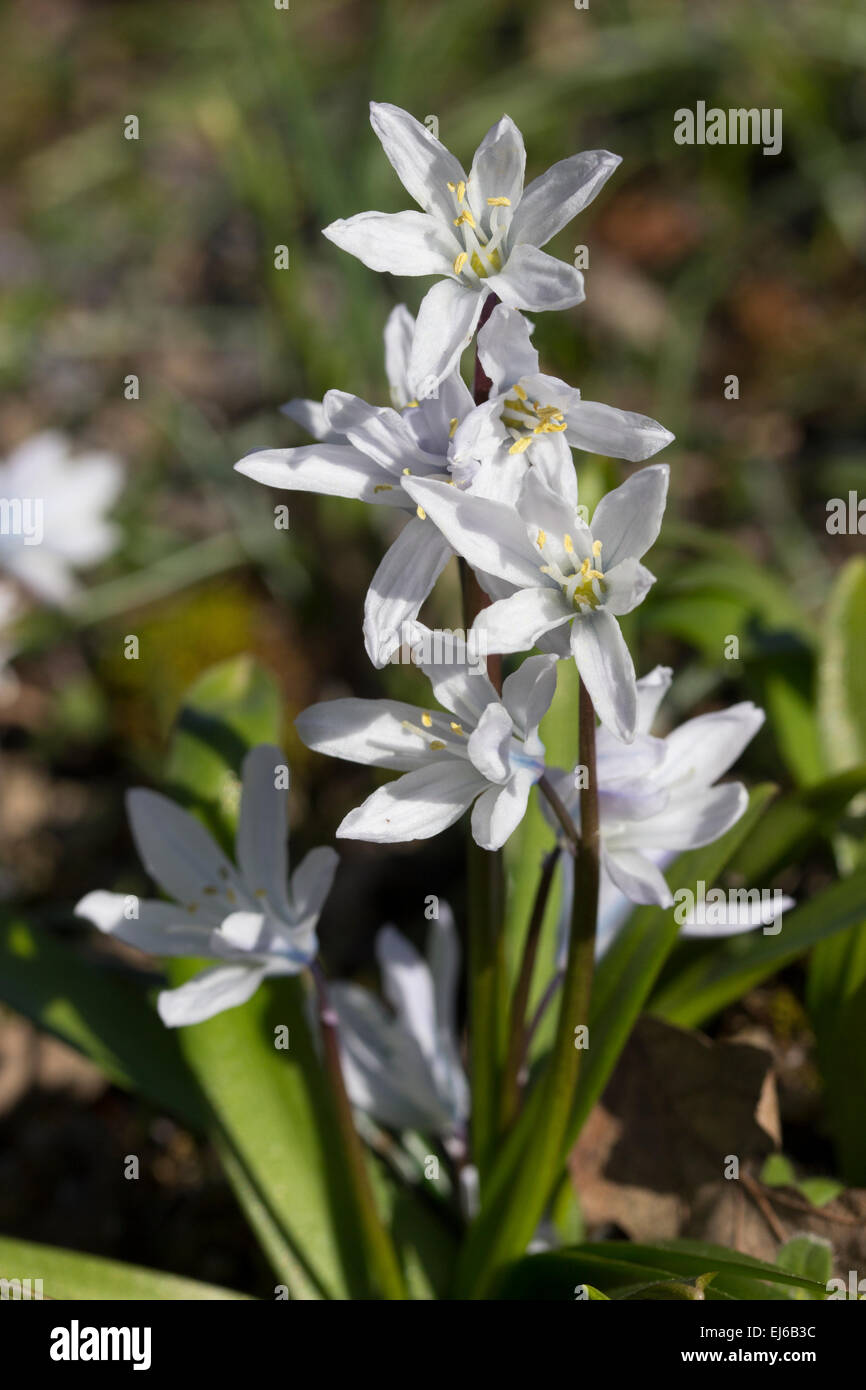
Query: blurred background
[155,257]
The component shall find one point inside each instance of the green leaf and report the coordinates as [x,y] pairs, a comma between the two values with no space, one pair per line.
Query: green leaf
[842,670]
[811,1257]
[65,1274]
[622,1269]
[734,966]
[794,823]
[103,1012]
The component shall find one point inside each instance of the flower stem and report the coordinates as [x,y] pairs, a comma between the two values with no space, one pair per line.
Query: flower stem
[510,1227]
[558,808]
[517,1031]
[385,1267]
[485,882]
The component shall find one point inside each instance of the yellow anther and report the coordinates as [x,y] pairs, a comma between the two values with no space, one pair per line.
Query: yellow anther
[383,487]
[437,744]
[568,543]
[465,216]
[499,202]
[407,472]
[460,261]
[192,907]
[453,187]
[596,548]
[411,405]
[585,567]
[521,445]
[457,728]
[461,191]
[541,540]
[426,720]
[453,427]
[421,514]
[519,391]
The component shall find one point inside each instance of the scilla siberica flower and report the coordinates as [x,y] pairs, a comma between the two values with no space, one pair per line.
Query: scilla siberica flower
[539,418]
[364,452]
[484,750]
[558,581]
[482,231]
[659,796]
[247,917]
[403,1067]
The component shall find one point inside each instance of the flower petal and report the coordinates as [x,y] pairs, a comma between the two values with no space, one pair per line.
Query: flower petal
[651,690]
[416,806]
[505,348]
[402,243]
[692,821]
[490,742]
[446,321]
[605,666]
[423,165]
[160,929]
[559,194]
[626,585]
[211,992]
[335,470]
[263,827]
[700,750]
[179,853]
[515,624]
[366,731]
[499,810]
[399,331]
[489,534]
[497,172]
[618,434]
[406,574]
[408,987]
[310,415]
[637,877]
[379,432]
[527,693]
[628,519]
[312,882]
[530,279]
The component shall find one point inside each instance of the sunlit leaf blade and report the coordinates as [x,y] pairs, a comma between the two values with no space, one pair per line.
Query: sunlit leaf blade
[65,1274]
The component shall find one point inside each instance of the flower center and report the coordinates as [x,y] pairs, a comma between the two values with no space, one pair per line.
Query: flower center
[583,585]
[527,419]
[481,252]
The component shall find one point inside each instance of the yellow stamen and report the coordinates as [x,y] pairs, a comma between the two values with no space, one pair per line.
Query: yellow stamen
[411,404]
[541,540]
[460,261]
[452,427]
[568,543]
[519,391]
[458,728]
[521,445]
[383,487]
[461,191]
[421,514]
[453,187]
[437,744]
[407,472]
[465,216]
[596,548]
[499,202]
[426,720]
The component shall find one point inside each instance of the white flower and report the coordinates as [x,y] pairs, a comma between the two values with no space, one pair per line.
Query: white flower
[547,569]
[658,796]
[482,231]
[541,418]
[54,513]
[489,750]
[403,1068]
[365,452]
[245,917]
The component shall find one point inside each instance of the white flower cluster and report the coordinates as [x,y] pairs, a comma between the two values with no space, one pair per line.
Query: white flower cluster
[494,482]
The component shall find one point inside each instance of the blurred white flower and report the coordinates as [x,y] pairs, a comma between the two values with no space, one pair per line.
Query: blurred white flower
[660,796]
[488,753]
[247,917]
[53,510]
[482,231]
[403,1067]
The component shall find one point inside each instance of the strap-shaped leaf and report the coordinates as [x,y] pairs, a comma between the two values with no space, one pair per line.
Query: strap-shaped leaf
[68,1275]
